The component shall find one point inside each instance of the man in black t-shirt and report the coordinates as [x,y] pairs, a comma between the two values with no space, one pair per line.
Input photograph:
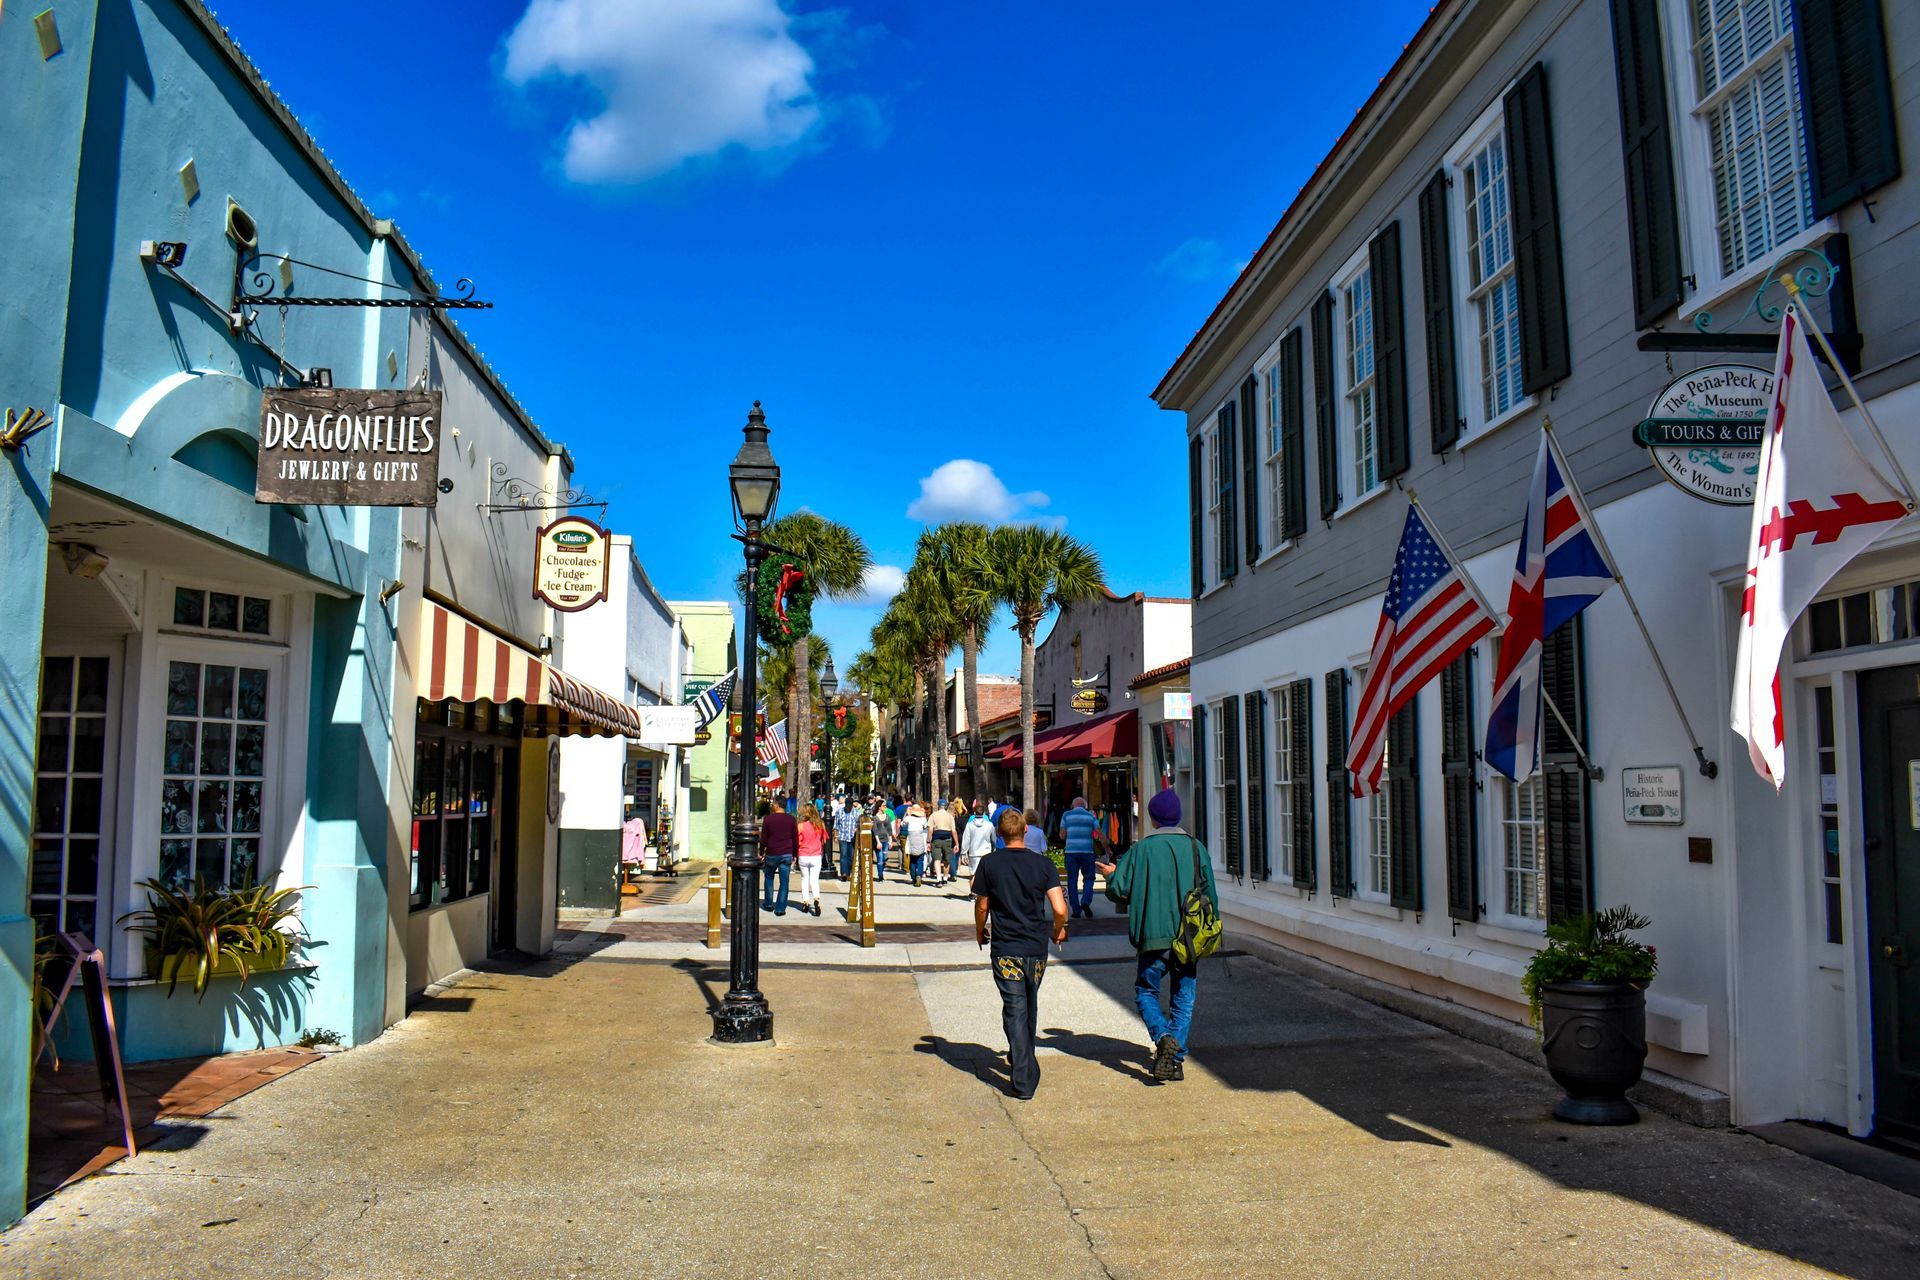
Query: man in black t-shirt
[1017,892]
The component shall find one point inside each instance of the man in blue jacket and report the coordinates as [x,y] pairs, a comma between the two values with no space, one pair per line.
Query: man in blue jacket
[1080,830]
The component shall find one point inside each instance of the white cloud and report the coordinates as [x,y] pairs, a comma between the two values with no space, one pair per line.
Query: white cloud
[882,583]
[1198,261]
[967,490]
[677,79]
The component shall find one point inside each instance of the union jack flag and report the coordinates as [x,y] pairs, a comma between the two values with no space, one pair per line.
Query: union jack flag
[712,700]
[1560,571]
[1430,616]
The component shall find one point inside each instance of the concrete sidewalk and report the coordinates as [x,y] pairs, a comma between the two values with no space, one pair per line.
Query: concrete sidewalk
[571,1120]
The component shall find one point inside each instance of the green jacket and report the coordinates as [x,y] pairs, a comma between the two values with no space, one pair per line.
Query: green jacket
[1152,880]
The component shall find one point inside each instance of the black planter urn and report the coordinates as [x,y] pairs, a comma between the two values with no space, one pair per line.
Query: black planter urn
[1594,1037]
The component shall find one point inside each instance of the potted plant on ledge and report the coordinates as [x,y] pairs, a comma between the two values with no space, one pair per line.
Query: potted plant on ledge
[1587,992]
[205,932]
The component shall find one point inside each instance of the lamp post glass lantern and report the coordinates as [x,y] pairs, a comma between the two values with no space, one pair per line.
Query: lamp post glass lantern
[743,1016]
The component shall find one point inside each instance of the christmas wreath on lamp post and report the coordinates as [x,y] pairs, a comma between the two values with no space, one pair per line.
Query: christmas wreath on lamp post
[783,600]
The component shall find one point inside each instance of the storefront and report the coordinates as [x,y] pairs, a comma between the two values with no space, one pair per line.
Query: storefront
[1166,725]
[1093,760]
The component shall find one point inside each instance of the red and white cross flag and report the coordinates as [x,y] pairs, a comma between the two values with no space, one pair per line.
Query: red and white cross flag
[1819,503]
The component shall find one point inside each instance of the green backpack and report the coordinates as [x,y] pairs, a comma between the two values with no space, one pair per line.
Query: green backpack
[1199,932]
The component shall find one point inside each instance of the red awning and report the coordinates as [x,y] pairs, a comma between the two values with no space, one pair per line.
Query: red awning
[1109,737]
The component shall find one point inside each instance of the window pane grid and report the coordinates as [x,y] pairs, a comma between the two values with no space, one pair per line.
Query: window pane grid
[1523,846]
[1750,95]
[213,786]
[1380,829]
[1274,392]
[1361,417]
[1281,700]
[1827,867]
[69,795]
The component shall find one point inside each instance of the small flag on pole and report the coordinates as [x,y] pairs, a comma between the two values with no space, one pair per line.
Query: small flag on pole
[712,700]
[1560,570]
[773,746]
[1431,615]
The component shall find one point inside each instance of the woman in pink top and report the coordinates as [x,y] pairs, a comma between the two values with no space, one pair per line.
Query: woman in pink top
[811,844]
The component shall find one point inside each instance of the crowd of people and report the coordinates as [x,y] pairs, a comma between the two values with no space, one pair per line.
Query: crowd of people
[1020,905]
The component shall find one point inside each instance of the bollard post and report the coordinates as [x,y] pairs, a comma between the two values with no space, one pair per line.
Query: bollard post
[866,893]
[716,887]
[862,851]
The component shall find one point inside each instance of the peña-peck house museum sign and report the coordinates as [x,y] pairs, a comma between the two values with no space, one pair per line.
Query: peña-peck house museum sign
[323,446]
[1704,431]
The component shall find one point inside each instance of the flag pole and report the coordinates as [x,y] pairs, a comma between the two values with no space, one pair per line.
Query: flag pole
[1853,394]
[1708,769]
[1586,762]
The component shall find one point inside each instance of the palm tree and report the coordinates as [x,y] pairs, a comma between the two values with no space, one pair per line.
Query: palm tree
[836,560]
[898,635]
[1037,570]
[933,627]
[779,671]
[886,682]
[959,558]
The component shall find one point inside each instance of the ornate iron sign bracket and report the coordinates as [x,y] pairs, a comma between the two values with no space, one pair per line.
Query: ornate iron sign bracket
[1814,274]
[513,494]
[253,286]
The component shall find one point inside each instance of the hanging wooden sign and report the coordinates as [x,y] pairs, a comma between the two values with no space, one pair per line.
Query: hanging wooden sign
[1089,702]
[340,447]
[573,557]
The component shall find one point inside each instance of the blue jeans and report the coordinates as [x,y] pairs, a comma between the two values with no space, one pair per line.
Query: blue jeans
[917,865]
[846,859]
[1080,878]
[1155,967]
[782,868]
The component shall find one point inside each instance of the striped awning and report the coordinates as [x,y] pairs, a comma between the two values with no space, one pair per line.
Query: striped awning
[465,662]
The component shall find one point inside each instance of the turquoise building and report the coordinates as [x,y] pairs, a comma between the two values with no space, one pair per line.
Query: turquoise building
[191,683]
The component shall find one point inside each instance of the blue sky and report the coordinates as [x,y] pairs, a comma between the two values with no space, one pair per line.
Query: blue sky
[952,247]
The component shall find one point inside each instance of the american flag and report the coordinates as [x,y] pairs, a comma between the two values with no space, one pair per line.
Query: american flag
[1431,616]
[773,745]
[712,700]
[1560,571]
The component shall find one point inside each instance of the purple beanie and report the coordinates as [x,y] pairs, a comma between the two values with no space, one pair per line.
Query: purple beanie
[1164,808]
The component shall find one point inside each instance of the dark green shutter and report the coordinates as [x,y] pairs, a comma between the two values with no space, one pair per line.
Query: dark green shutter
[1300,707]
[1197,498]
[1569,832]
[1339,806]
[1230,784]
[1402,782]
[1436,306]
[1250,464]
[1199,797]
[1545,355]
[1846,98]
[1653,217]
[1259,865]
[1326,423]
[1227,529]
[1460,791]
[1390,351]
[1293,438]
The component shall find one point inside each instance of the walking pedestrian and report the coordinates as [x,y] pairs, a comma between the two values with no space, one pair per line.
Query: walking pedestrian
[882,836]
[941,835]
[846,827]
[1152,880]
[1080,832]
[1036,837]
[1006,803]
[1017,905]
[913,838]
[976,839]
[779,842]
[810,846]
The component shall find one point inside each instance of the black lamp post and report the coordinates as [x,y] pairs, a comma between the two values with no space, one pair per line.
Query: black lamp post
[829,686]
[744,1017]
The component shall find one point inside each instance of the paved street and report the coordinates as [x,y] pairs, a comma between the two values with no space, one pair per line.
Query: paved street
[570,1120]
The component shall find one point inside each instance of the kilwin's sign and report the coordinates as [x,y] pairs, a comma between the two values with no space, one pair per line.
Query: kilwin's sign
[570,571]
[1692,441]
[327,446]
[1089,702]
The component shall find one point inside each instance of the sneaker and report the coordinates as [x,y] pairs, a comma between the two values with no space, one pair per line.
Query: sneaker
[1179,1071]
[1164,1063]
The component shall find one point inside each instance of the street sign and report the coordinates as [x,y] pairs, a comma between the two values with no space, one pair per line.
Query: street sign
[1692,443]
[572,561]
[339,447]
[669,726]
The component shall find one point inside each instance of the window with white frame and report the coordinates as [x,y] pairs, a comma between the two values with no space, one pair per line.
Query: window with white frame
[1273,392]
[1379,878]
[1747,102]
[1280,698]
[1359,407]
[72,794]
[1217,770]
[1522,848]
[1484,195]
